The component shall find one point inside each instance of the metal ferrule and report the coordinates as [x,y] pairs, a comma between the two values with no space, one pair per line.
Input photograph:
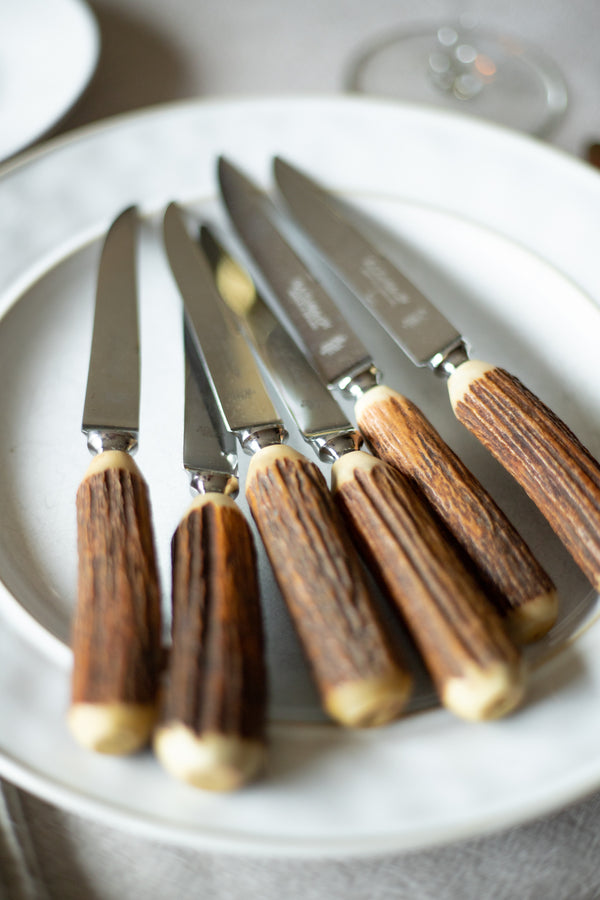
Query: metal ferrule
[333,446]
[207,481]
[255,439]
[99,440]
[448,360]
[357,383]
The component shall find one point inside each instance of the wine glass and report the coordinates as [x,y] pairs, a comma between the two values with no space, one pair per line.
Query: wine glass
[464,67]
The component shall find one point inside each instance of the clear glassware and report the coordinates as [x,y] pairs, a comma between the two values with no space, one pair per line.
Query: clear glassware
[464,67]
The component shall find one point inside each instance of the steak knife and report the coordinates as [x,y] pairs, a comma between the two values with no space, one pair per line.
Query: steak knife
[537,449]
[212,719]
[521,589]
[357,671]
[475,666]
[116,637]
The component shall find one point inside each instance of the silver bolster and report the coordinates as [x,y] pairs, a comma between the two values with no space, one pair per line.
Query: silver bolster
[255,439]
[449,359]
[356,383]
[207,481]
[335,445]
[101,439]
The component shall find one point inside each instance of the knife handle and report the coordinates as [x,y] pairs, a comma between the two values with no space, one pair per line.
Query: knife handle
[400,434]
[213,709]
[356,669]
[116,636]
[540,452]
[475,666]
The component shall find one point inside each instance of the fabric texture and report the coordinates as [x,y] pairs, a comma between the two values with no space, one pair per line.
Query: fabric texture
[154,52]
[70,858]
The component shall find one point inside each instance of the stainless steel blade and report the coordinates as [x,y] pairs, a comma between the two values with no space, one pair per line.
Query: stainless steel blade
[317,415]
[209,451]
[336,351]
[422,332]
[236,380]
[113,385]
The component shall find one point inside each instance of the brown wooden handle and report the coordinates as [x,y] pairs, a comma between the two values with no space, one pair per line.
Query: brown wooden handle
[356,670]
[212,729]
[540,452]
[475,666]
[400,434]
[116,635]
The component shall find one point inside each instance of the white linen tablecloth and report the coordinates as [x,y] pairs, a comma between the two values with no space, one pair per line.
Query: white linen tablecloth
[155,52]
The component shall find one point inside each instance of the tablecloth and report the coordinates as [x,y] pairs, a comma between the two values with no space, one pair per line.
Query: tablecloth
[155,52]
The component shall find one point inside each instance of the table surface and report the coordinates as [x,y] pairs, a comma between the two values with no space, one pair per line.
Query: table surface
[155,52]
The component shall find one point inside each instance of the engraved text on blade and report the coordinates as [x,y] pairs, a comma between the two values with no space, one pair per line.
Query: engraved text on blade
[387,289]
[301,294]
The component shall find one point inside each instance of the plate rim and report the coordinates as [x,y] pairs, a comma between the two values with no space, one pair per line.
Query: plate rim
[107,814]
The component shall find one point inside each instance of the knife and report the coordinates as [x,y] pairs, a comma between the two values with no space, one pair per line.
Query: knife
[212,720]
[513,578]
[116,636]
[474,665]
[537,449]
[357,671]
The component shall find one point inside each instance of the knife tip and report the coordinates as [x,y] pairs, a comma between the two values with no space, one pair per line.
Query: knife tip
[171,214]
[130,215]
[224,167]
[236,187]
[287,175]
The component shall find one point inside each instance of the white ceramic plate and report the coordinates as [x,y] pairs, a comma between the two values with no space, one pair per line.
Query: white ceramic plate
[48,53]
[501,231]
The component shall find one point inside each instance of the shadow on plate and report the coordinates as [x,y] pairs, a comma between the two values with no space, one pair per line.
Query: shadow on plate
[137,67]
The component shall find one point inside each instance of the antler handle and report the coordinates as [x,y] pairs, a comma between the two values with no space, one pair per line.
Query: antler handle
[212,731]
[540,452]
[401,435]
[117,625]
[357,672]
[476,668]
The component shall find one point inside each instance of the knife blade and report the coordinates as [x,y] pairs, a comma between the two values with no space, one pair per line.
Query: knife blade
[520,588]
[557,472]
[474,665]
[212,719]
[116,635]
[357,671]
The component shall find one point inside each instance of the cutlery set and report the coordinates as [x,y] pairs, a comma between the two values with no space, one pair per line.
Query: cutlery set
[448,561]
[213,709]
[117,626]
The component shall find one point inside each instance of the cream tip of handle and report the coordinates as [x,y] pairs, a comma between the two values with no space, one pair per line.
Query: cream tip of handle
[370,702]
[113,728]
[533,619]
[482,694]
[270,455]
[112,459]
[463,377]
[378,394]
[344,468]
[213,762]
[212,498]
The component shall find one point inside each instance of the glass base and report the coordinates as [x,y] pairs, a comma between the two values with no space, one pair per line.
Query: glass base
[496,77]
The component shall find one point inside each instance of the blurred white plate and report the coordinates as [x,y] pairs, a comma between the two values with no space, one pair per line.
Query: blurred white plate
[500,230]
[48,53]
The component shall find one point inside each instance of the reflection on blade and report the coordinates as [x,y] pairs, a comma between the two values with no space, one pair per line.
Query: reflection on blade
[420,329]
[207,445]
[335,349]
[309,401]
[113,386]
[233,371]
